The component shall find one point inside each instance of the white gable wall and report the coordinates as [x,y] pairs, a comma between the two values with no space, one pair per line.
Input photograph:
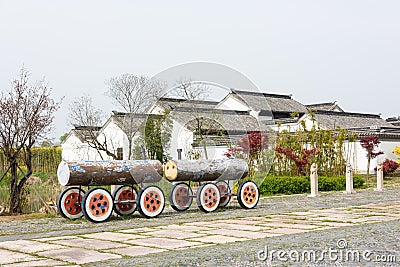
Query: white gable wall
[181,138]
[115,138]
[231,103]
[74,150]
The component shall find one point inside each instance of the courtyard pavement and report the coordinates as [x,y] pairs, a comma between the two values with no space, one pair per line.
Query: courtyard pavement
[113,247]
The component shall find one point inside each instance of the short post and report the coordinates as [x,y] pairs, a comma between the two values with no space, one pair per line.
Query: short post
[143,150]
[179,150]
[379,177]
[314,180]
[349,179]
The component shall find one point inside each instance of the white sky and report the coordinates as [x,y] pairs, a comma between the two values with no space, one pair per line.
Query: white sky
[342,50]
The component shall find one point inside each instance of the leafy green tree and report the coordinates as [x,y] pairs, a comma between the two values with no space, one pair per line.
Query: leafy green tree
[157,135]
[63,137]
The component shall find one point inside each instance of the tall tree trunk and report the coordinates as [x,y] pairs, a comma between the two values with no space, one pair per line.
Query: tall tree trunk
[15,196]
[368,164]
[129,148]
[204,148]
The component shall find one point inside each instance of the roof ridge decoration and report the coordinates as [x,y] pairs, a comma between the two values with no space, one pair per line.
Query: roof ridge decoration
[235,91]
[352,114]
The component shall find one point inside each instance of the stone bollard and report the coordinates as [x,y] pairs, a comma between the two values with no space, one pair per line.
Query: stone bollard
[314,180]
[349,179]
[379,177]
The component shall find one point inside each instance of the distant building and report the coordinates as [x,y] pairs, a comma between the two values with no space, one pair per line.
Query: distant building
[237,114]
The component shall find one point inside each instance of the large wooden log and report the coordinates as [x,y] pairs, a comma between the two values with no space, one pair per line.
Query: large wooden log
[206,170]
[114,172]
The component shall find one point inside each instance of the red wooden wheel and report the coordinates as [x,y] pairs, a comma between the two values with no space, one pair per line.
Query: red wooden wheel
[97,205]
[127,196]
[224,190]
[208,197]
[69,203]
[150,201]
[180,197]
[248,195]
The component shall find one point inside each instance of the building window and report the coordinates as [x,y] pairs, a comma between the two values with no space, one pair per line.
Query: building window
[120,153]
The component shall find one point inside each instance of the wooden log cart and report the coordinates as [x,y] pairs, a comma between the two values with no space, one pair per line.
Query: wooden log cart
[214,191]
[97,204]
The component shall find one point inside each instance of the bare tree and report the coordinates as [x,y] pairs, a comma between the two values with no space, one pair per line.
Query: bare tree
[203,121]
[26,114]
[87,120]
[134,94]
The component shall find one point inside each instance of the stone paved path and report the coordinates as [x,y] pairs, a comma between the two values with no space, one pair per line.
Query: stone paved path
[100,247]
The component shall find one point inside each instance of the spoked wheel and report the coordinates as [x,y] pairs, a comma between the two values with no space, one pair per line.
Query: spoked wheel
[180,196]
[125,200]
[69,203]
[208,197]
[97,205]
[150,201]
[248,195]
[224,190]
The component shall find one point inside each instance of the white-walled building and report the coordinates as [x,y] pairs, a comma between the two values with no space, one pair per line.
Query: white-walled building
[239,113]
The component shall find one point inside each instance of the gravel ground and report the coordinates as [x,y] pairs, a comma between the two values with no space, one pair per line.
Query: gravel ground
[269,205]
[380,238]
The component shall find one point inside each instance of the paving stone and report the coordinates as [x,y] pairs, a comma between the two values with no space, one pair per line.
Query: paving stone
[287,231]
[113,236]
[236,226]
[243,221]
[334,224]
[219,239]
[302,213]
[45,239]
[28,246]
[289,217]
[89,243]
[238,233]
[197,246]
[382,218]
[135,250]
[7,257]
[139,231]
[200,223]
[37,263]
[175,234]
[183,227]
[166,243]
[290,225]
[78,255]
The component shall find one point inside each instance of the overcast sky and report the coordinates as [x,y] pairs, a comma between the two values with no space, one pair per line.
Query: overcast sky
[346,51]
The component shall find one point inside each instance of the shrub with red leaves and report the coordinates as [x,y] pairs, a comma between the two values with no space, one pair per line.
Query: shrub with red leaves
[249,145]
[389,166]
[370,143]
[301,160]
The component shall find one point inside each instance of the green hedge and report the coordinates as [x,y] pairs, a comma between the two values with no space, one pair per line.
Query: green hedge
[272,185]
[44,159]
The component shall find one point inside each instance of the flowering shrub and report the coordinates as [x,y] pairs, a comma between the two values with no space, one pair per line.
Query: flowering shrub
[301,159]
[397,152]
[389,166]
[251,148]
[370,143]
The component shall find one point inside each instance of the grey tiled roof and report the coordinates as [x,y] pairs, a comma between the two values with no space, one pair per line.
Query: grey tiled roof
[346,120]
[171,103]
[274,102]
[231,121]
[85,133]
[330,106]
